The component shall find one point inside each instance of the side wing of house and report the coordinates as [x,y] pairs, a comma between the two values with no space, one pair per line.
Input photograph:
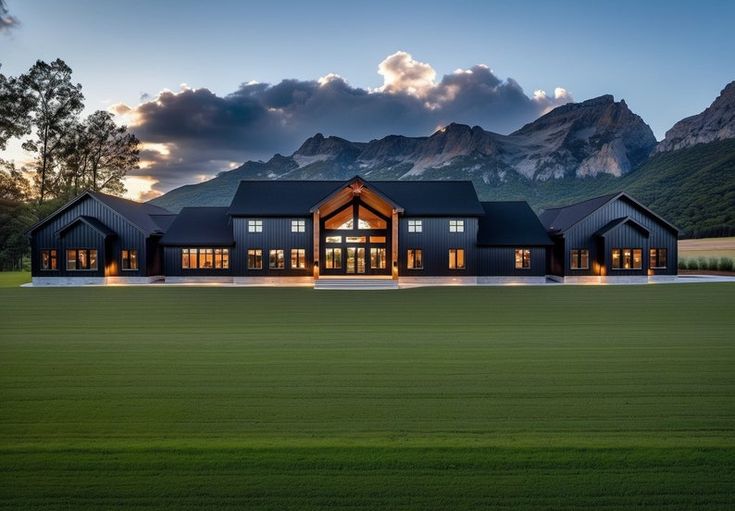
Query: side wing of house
[89,240]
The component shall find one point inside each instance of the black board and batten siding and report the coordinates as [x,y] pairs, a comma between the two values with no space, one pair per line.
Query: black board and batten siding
[500,262]
[582,236]
[436,240]
[276,235]
[83,236]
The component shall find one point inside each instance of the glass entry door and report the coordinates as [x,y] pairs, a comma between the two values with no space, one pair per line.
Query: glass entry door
[355,260]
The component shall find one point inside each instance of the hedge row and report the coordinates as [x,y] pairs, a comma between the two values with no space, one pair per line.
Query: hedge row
[704,263]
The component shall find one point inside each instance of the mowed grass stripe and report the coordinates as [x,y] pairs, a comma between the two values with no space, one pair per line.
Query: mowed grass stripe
[523,398]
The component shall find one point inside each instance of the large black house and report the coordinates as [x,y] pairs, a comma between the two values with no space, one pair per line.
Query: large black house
[307,232]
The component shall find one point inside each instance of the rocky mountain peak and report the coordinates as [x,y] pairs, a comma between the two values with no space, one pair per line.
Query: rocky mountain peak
[321,145]
[716,122]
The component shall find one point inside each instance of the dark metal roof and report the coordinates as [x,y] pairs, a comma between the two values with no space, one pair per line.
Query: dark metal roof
[200,226]
[614,224]
[562,218]
[139,214]
[511,224]
[296,198]
[92,222]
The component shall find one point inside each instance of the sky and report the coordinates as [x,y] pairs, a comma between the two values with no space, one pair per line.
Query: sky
[208,85]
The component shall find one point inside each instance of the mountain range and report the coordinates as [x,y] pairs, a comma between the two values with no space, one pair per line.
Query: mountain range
[575,151]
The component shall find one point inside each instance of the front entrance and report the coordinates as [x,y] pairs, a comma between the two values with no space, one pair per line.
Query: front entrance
[355,260]
[355,240]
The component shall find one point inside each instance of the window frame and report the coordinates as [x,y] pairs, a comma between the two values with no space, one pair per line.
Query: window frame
[525,258]
[375,256]
[129,258]
[88,254]
[622,257]
[298,225]
[53,259]
[454,258]
[334,251]
[415,225]
[300,258]
[409,259]
[657,257]
[575,260]
[282,259]
[255,225]
[256,255]
[456,225]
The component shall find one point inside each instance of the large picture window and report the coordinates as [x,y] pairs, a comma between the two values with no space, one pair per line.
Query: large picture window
[377,259]
[626,259]
[415,259]
[333,259]
[129,259]
[579,259]
[81,259]
[456,226]
[205,258]
[276,259]
[49,260]
[255,259]
[522,259]
[657,258]
[298,258]
[456,259]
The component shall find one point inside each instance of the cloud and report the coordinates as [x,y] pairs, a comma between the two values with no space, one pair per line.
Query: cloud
[7,21]
[204,133]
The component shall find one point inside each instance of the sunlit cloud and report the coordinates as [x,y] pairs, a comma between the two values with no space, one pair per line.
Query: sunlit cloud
[140,188]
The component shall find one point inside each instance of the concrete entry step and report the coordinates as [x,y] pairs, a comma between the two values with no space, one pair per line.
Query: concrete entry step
[356,283]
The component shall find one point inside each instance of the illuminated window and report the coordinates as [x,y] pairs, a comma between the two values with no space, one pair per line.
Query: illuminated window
[298,258]
[81,259]
[255,259]
[415,226]
[415,259]
[129,259]
[377,259]
[334,239]
[255,226]
[627,259]
[456,259]
[298,225]
[276,259]
[377,239]
[333,258]
[49,260]
[456,226]
[657,258]
[206,258]
[369,220]
[343,220]
[222,258]
[355,239]
[522,259]
[188,258]
[637,258]
[579,259]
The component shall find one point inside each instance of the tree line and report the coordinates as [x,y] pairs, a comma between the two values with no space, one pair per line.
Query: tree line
[42,110]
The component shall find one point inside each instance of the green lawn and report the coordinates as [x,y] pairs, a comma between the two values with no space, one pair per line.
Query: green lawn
[563,397]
